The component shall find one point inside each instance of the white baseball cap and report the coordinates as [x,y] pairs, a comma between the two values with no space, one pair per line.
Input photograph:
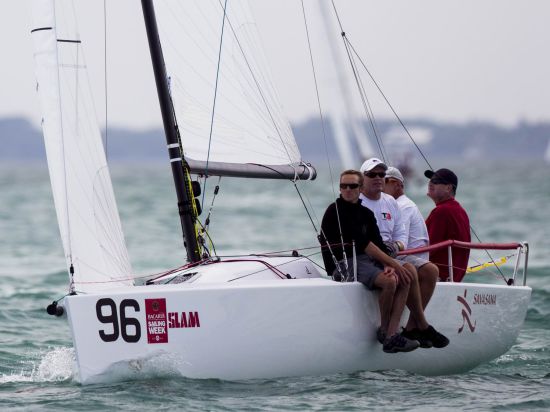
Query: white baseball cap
[394,173]
[371,163]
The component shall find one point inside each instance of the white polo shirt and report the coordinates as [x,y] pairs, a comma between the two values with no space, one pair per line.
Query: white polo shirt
[388,218]
[414,225]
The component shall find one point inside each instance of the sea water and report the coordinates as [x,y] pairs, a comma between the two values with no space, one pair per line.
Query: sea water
[505,202]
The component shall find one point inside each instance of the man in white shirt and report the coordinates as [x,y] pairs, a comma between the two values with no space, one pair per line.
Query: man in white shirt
[394,234]
[385,207]
[415,227]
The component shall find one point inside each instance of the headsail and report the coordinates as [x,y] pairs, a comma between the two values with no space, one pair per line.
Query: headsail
[249,127]
[84,200]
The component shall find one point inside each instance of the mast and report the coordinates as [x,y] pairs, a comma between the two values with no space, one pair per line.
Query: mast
[182,180]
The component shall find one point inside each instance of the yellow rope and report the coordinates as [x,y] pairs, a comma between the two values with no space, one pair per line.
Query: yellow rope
[486,265]
[197,225]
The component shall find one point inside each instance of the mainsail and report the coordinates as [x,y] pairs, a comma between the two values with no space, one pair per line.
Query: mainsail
[225,101]
[84,200]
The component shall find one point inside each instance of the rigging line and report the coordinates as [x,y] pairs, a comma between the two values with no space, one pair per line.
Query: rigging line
[323,128]
[297,189]
[399,119]
[379,89]
[259,88]
[68,222]
[305,207]
[488,254]
[273,267]
[211,244]
[483,265]
[105,74]
[360,87]
[347,41]
[364,100]
[324,137]
[313,262]
[206,227]
[311,208]
[214,102]
[390,106]
[370,112]
[216,191]
[228,82]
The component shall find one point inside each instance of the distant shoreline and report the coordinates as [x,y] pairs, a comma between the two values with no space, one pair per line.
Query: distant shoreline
[20,141]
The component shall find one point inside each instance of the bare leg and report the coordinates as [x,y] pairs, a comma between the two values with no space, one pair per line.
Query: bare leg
[392,300]
[414,302]
[387,286]
[427,279]
[399,301]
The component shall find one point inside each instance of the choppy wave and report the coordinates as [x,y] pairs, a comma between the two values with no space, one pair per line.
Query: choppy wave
[52,366]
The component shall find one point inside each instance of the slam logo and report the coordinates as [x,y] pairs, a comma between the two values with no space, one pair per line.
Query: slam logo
[466,314]
[184,320]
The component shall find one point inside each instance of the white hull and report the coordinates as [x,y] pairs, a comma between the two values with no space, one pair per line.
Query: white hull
[286,327]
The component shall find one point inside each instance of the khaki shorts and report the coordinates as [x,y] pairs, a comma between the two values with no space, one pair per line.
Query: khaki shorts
[367,270]
[416,261]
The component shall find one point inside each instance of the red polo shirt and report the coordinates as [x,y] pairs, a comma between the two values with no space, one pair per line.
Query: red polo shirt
[449,221]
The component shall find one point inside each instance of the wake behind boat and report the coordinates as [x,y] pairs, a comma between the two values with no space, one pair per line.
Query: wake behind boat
[239,317]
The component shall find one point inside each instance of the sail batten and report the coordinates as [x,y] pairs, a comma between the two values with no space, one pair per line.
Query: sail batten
[83,195]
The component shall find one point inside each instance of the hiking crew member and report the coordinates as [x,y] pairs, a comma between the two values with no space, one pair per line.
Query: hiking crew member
[448,220]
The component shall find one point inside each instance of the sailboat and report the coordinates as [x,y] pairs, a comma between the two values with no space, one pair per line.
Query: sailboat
[245,317]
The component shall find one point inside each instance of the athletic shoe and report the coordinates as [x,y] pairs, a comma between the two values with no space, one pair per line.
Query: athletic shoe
[380,335]
[415,334]
[398,343]
[437,339]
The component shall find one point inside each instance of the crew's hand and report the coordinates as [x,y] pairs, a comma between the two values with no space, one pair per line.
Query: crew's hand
[392,248]
[403,274]
[389,272]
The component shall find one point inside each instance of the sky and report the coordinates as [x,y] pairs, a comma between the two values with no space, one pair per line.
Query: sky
[452,61]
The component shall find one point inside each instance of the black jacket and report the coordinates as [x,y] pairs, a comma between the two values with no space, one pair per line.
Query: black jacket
[357,223]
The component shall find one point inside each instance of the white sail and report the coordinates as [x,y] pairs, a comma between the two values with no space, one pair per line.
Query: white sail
[249,125]
[83,195]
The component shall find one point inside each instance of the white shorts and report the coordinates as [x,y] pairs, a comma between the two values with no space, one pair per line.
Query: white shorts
[416,261]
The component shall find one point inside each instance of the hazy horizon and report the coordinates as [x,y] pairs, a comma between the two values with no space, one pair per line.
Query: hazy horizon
[454,61]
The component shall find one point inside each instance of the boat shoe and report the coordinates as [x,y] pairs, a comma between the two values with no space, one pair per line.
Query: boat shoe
[399,343]
[380,335]
[428,337]
[416,334]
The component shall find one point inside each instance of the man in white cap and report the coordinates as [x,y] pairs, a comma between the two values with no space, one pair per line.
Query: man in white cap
[383,206]
[388,217]
[417,232]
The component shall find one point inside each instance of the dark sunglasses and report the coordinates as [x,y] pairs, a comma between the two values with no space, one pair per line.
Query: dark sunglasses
[372,175]
[349,185]
[438,182]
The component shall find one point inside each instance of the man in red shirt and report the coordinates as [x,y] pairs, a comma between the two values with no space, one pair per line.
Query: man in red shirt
[448,220]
